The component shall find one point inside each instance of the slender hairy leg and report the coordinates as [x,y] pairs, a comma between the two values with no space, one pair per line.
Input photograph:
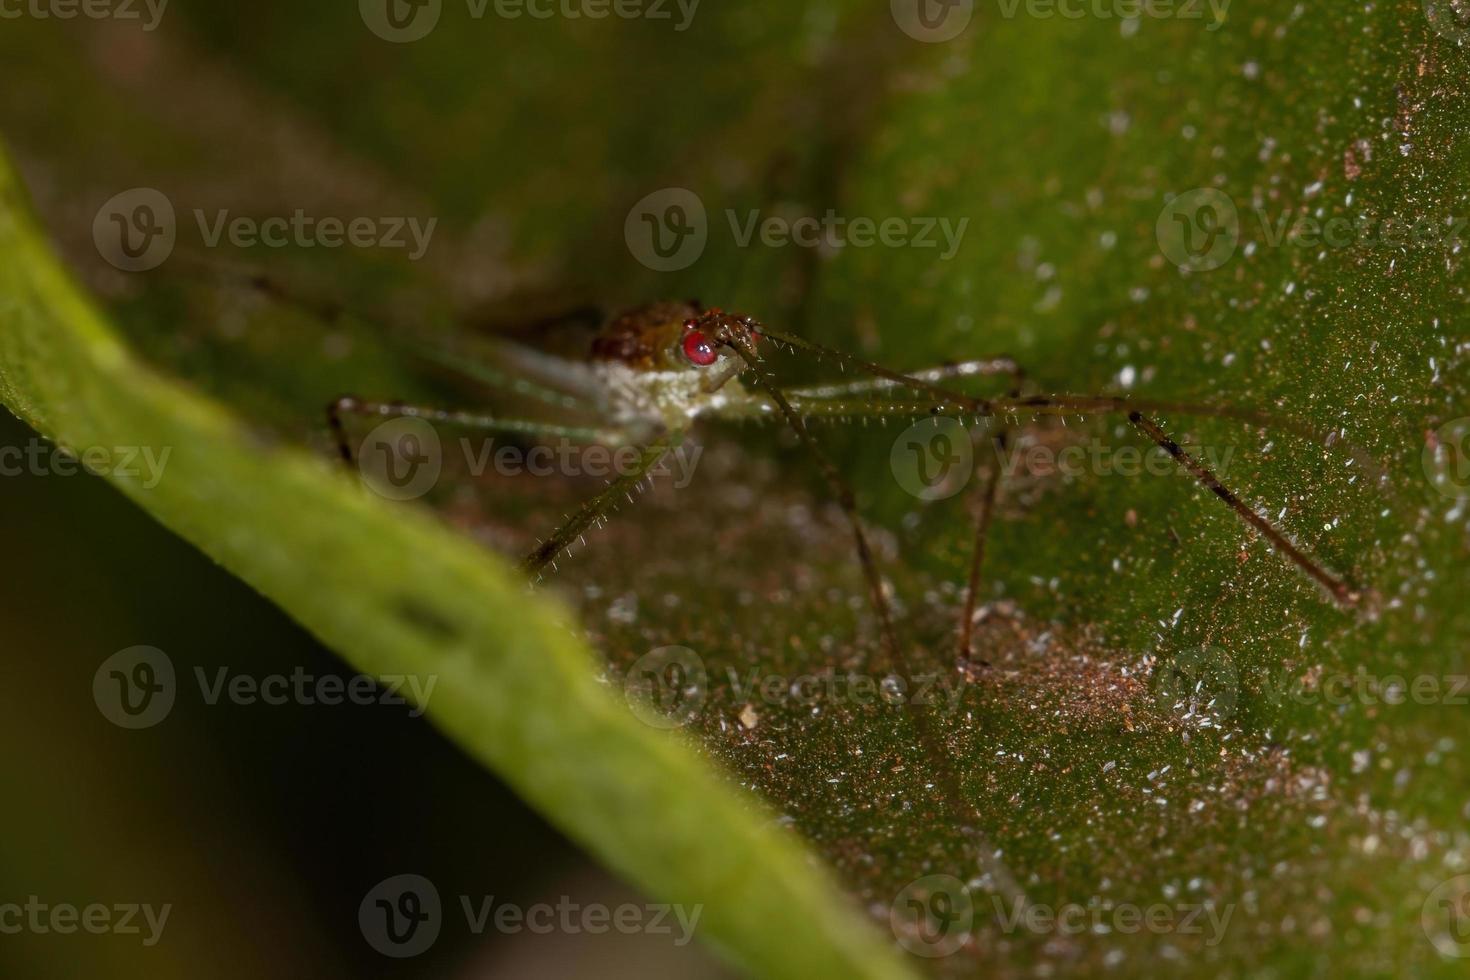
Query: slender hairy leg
[346,405]
[947,401]
[1340,591]
[595,509]
[931,736]
[990,486]
[845,499]
[989,494]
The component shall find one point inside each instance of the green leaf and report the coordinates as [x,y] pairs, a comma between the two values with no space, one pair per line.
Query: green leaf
[1161,719]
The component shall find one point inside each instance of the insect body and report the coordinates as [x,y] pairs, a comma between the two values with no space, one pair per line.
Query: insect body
[655,370]
[658,369]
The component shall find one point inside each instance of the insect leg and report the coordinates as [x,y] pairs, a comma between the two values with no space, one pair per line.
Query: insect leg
[346,405]
[989,495]
[845,499]
[979,367]
[946,400]
[1340,591]
[594,509]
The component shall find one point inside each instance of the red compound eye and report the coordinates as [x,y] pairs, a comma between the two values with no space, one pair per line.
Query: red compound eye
[698,349]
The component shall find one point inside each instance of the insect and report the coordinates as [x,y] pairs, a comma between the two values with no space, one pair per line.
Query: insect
[654,372]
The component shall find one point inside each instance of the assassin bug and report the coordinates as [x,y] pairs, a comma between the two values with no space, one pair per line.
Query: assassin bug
[656,370]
